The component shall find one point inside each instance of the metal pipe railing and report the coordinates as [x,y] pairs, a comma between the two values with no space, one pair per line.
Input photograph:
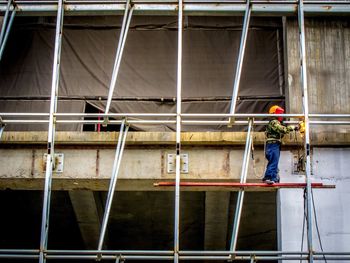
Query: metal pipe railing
[189,115]
[157,122]
[195,255]
[267,8]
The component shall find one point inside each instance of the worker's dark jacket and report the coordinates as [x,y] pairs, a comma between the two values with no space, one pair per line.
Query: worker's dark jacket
[275,131]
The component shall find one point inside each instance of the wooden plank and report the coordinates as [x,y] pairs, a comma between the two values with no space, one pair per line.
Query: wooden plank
[244,185]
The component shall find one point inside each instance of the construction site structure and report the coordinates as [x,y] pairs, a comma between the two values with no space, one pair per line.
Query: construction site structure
[75,168]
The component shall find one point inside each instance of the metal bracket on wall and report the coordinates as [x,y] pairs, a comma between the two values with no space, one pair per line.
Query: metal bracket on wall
[298,165]
[58,162]
[171,161]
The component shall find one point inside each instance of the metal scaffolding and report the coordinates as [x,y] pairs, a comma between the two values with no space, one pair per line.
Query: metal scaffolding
[180,8]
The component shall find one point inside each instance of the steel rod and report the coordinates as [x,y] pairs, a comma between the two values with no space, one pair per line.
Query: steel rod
[307,125]
[18,256]
[178,133]
[122,39]
[241,53]
[51,133]
[184,255]
[116,165]
[110,257]
[199,115]
[264,8]
[240,197]
[111,186]
[239,253]
[8,28]
[2,127]
[184,122]
[19,251]
[4,21]
[112,252]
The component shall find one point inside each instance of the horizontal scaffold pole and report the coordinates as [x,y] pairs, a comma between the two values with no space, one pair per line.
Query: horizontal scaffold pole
[259,8]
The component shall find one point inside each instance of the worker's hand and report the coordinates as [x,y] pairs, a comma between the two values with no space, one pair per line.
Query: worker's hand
[291,128]
[297,128]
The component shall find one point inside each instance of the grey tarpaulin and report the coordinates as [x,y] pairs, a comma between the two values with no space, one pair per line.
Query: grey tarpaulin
[29,106]
[218,106]
[148,68]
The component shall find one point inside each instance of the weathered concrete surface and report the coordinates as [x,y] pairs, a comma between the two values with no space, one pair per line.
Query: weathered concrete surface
[89,168]
[330,166]
[328,68]
[167,138]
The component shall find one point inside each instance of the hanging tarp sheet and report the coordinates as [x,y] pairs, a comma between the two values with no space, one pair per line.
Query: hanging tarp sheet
[148,68]
[28,106]
[219,106]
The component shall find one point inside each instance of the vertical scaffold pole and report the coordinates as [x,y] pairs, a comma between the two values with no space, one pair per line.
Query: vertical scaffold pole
[178,133]
[240,58]
[51,133]
[240,197]
[307,125]
[114,178]
[118,57]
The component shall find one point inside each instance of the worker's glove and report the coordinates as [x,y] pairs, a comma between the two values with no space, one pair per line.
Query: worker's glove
[290,128]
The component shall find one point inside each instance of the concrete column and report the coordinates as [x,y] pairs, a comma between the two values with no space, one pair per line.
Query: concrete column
[86,212]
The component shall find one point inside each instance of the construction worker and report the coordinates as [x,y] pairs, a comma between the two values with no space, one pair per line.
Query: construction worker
[275,131]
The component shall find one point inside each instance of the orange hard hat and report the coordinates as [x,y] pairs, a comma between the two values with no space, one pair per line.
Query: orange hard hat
[275,109]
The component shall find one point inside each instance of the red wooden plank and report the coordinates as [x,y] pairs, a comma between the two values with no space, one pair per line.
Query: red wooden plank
[245,185]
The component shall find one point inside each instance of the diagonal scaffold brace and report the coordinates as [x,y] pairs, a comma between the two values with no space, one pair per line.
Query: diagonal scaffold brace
[241,52]
[2,128]
[119,54]
[6,25]
[240,198]
[124,127]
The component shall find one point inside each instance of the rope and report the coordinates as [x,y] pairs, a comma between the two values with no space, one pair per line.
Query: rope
[253,158]
[316,224]
[304,220]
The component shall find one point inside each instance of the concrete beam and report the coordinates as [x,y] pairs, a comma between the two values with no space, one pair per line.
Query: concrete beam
[168,138]
[88,168]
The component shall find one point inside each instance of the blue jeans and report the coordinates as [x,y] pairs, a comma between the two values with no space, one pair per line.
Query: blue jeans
[272,155]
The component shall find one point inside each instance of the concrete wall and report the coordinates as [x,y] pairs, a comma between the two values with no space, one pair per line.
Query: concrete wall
[328,68]
[330,166]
